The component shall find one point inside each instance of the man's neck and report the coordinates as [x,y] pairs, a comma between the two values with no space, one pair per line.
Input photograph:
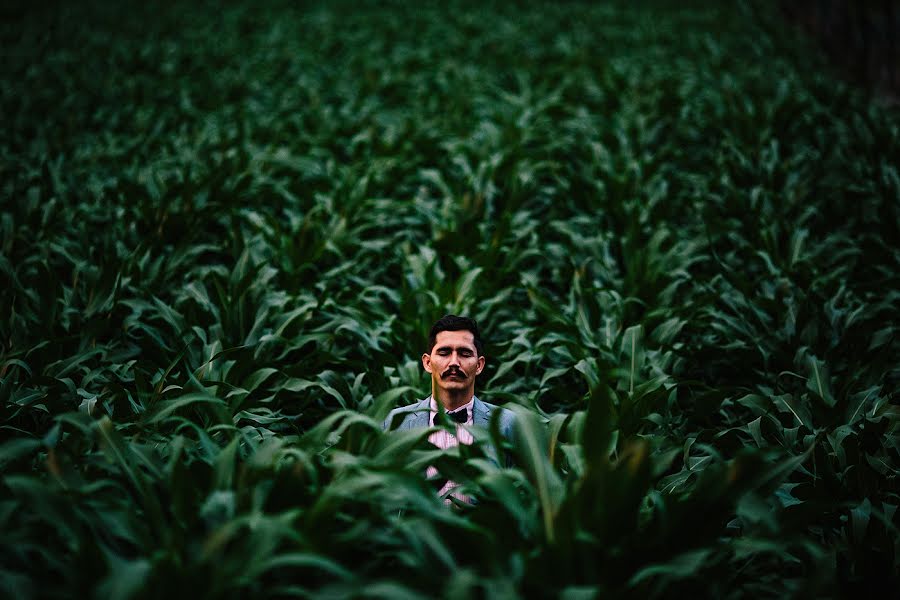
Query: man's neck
[451,401]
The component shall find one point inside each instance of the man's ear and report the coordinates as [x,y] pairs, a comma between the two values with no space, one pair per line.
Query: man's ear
[480,367]
[426,362]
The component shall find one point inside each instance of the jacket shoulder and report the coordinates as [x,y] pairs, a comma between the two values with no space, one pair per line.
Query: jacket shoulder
[407,412]
[507,417]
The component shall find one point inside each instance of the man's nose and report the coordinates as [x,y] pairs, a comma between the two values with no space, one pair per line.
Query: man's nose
[454,360]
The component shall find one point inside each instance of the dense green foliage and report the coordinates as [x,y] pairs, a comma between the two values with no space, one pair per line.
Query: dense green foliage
[225,234]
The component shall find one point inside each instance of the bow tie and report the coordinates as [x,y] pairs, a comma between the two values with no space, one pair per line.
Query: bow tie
[460,416]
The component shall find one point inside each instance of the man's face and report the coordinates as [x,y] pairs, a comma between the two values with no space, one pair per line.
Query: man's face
[453,361]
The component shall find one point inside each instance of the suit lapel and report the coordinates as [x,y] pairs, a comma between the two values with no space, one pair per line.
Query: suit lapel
[419,417]
[482,418]
[481,413]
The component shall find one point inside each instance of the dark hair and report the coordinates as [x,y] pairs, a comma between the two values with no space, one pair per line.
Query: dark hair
[454,323]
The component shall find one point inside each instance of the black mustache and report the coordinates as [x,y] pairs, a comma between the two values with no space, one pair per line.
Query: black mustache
[452,371]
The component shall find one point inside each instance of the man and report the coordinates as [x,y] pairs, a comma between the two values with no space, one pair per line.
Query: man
[454,358]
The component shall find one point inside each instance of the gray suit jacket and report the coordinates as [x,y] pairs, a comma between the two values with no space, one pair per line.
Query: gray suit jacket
[417,416]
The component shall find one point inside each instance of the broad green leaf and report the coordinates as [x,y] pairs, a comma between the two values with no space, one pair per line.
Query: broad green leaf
[168,407]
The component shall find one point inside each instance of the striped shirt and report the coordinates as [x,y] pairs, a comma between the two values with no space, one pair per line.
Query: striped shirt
[444,439]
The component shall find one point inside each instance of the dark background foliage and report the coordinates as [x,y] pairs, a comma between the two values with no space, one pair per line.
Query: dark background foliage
[860,37]
[225,233]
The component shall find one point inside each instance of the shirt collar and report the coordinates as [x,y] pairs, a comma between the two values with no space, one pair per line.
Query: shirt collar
[469,406]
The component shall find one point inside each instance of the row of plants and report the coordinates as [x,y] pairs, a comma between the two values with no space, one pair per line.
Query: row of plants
[226,232]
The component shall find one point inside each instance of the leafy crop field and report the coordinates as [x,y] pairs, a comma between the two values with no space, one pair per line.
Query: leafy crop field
[225,233]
